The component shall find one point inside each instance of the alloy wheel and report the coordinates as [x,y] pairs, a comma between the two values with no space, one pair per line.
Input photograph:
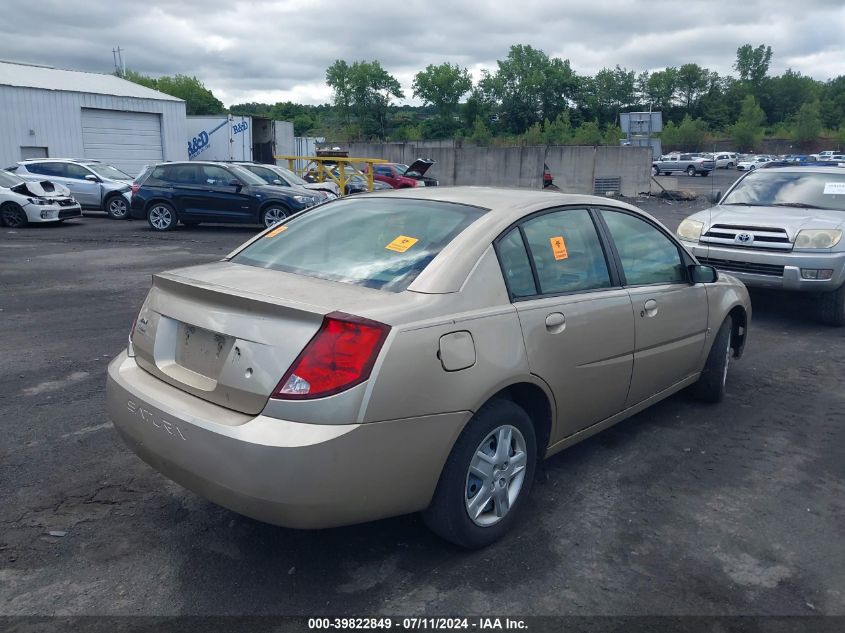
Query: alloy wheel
[117,207]
[274,215]
[161,217]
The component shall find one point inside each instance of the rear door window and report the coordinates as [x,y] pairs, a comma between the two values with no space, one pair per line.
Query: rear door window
[377,243]
[566,251]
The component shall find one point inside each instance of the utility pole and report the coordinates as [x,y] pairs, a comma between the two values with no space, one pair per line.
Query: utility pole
[119,64]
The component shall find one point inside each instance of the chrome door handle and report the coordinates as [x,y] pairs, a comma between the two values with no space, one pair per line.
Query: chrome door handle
[649,308]
[555,322]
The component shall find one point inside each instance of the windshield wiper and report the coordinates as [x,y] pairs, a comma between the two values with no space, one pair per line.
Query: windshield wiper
[740,204]
[800,205]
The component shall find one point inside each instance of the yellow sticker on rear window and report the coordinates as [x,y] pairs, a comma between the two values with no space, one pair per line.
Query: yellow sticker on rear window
[559,247]
[402,243]
[277,230]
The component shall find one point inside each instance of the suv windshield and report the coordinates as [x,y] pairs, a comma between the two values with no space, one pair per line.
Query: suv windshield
[790,189]
[107,171]
[9,180]
[291,177]
[377,243]
[246,175]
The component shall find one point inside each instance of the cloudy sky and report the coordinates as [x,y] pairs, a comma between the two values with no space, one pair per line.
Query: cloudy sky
[279,50]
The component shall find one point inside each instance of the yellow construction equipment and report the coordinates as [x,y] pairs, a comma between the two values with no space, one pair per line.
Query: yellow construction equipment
[322,168]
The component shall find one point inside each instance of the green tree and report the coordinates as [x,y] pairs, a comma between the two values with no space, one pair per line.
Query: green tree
[609,92]
[364,89]
[529,87]
[661,88]
[752,64]
[442,87]
[534,135]
[559,131]
[588,133]
[198,99]
[747,132]
[693,82]
[612,135]
[807,124]
[688,135]
[480,132]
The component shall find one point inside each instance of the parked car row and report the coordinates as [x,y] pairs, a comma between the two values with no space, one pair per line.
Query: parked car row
[188,192]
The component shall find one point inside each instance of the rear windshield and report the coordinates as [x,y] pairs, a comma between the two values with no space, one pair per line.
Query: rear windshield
[804,189]
[378,243]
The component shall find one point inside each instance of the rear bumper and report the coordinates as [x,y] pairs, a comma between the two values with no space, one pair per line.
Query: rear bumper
[734,260]
[287,473]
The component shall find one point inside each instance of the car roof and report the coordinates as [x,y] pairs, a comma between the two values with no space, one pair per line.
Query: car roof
[81,161]
[803,169]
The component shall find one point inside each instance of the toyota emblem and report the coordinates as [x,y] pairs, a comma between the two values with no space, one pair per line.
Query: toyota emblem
[744,238]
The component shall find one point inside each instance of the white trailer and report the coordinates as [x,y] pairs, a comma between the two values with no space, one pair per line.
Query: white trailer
[238,138]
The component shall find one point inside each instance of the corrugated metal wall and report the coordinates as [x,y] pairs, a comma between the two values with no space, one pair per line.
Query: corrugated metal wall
[31,117]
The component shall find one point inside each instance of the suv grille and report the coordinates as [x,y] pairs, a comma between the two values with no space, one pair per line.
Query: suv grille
[729,265]
[748,237]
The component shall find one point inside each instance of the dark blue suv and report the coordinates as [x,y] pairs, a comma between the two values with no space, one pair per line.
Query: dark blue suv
[194,192]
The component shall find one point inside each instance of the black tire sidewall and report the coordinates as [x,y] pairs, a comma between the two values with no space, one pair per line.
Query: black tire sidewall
[711,384]
[447,515]
[832,307]
[17,209]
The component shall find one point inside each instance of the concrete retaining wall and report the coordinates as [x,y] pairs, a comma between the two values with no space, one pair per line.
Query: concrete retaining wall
[574,168]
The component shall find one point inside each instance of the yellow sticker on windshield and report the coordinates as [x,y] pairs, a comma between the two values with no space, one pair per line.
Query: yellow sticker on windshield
[559,247]
[401,243]
[277,230]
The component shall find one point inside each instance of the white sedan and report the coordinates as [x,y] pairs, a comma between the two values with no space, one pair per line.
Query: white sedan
[22,202]
[752,162]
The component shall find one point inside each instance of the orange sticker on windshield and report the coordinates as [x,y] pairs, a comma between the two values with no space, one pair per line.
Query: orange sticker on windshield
[559,247]
[401,243]
[277,230]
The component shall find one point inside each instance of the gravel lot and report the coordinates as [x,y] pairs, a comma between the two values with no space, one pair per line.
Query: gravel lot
[733,509]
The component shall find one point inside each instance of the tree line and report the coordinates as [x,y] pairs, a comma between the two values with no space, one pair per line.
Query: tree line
[533,98]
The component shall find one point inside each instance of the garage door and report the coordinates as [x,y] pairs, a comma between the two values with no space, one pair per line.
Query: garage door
[127,140]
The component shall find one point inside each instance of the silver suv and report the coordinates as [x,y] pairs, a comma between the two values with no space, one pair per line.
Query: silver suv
[780,227]
[95,185]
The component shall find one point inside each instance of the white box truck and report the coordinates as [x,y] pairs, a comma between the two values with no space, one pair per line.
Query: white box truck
[238,138]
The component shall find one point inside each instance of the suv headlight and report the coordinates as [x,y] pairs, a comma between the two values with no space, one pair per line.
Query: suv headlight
[690,230]
[41,201]
[304,199]
[817,238]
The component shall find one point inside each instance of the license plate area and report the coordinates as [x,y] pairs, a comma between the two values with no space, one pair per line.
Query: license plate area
[201,351]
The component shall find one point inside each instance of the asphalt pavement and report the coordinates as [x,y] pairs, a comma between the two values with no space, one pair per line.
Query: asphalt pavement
[729,509]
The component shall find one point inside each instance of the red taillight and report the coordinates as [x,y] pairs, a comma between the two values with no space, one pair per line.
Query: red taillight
[341,355]
[134,187]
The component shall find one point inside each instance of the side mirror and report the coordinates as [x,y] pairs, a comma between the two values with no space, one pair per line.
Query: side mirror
[235,183]
[700,274]
[715,197]
[92,178]
[277,182]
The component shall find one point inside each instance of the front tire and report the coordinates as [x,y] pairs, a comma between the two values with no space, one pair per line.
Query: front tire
[655,171]
[162,217]
[13,216]
[486,478]
[711,385]
[832,307]
[116,207]
[273,215]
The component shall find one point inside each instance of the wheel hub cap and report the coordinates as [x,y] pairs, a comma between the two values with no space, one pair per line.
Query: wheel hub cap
[495,475]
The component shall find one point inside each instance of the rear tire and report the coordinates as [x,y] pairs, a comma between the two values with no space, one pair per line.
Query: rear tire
[832,307]
[162,217]
[711,385]
[116,207]
[13,216]
[705,173]
[690,171]
[467,474]
[655,171]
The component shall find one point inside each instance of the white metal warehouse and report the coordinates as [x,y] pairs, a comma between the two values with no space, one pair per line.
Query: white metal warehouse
[70,114]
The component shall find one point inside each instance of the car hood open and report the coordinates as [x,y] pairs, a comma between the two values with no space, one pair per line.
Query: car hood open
[42,189]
